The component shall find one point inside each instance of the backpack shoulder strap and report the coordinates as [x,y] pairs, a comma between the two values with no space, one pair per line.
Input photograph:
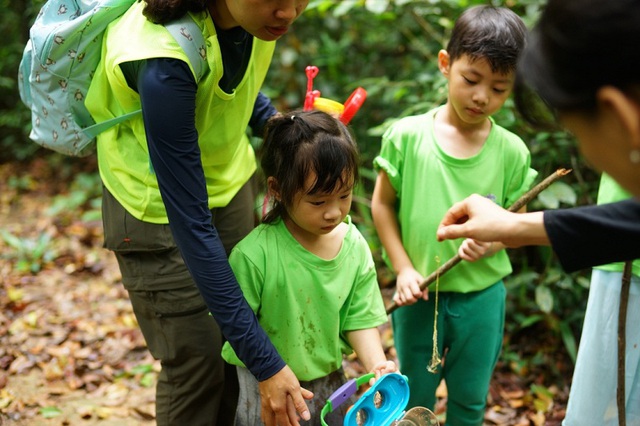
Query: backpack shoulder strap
[189,37]
[187,33]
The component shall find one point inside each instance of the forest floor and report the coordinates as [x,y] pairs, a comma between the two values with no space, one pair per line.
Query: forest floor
[70,349]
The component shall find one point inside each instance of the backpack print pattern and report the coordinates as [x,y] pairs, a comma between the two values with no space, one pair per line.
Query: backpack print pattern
[59,61]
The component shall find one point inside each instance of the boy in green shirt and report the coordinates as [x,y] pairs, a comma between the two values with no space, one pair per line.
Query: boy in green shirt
[427,163]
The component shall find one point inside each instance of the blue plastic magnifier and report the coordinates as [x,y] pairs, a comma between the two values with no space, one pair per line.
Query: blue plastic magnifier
[380,405]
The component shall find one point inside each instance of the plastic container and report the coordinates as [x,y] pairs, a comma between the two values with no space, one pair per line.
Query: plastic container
[381,405]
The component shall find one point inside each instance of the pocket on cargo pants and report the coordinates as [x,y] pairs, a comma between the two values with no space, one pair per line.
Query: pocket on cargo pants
[146,252]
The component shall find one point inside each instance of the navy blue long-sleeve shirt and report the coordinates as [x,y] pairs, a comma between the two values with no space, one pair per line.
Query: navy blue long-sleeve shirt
[595,235]
[167,91]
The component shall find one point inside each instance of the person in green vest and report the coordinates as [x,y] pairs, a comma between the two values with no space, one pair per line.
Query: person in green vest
[178,195]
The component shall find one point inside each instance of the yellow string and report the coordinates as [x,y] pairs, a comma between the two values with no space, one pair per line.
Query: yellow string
[435,356]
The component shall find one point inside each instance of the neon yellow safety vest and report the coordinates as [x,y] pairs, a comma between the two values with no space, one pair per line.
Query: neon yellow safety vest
[221,118]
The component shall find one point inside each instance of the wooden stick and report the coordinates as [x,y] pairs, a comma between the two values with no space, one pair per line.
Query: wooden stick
[622,343]
[519,204]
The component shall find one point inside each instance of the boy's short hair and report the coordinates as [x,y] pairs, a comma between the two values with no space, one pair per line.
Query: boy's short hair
[495,34]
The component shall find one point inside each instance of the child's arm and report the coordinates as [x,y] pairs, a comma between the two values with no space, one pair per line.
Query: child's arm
[368,346]
[386,222]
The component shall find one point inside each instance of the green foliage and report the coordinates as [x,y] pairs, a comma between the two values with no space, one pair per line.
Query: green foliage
[84,192]
[29,254]
[543,398]
[546,303]
[557,193]
[50,412]
[15,123]
[143,373]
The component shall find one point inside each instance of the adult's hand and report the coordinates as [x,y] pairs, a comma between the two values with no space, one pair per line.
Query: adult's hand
[480,218]
[283,399]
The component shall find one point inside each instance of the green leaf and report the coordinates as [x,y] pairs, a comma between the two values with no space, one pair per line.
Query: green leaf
[569,340]
[344,7]
[523,278]
[148,380]
[376,6]
[584,282]
[12,240]
[40,246]
[544,298]
[23,265]
[91,216]
[141,369]
[35,267]
[544,398]
[556,193]
[565,283]
[530,320]
[50,412]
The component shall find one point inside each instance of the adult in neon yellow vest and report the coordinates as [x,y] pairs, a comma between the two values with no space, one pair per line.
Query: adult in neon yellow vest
[178,196]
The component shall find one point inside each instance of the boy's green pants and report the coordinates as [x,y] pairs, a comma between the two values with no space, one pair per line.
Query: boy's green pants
[470,330]
[195,385]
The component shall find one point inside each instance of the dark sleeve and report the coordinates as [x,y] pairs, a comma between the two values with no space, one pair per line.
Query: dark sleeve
[167,91]
[263,110]
[595,235]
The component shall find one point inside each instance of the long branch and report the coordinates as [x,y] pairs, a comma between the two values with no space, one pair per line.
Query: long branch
[519,204]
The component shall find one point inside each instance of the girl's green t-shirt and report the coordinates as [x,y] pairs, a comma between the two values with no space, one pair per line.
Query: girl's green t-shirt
[304,303]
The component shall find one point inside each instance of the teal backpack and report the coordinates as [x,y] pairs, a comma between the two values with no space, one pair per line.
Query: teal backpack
[59,60]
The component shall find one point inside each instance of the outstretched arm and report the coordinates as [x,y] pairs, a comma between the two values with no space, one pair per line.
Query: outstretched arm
[479,218]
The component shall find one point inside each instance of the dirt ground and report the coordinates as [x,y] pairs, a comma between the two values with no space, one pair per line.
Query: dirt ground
[70,349]
[80,380]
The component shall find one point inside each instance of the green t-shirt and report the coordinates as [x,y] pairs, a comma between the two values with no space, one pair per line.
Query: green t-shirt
[303,302]
[428,182]
[610,192]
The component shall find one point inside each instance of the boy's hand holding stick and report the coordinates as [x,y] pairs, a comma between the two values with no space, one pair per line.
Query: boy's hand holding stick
[519,204]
